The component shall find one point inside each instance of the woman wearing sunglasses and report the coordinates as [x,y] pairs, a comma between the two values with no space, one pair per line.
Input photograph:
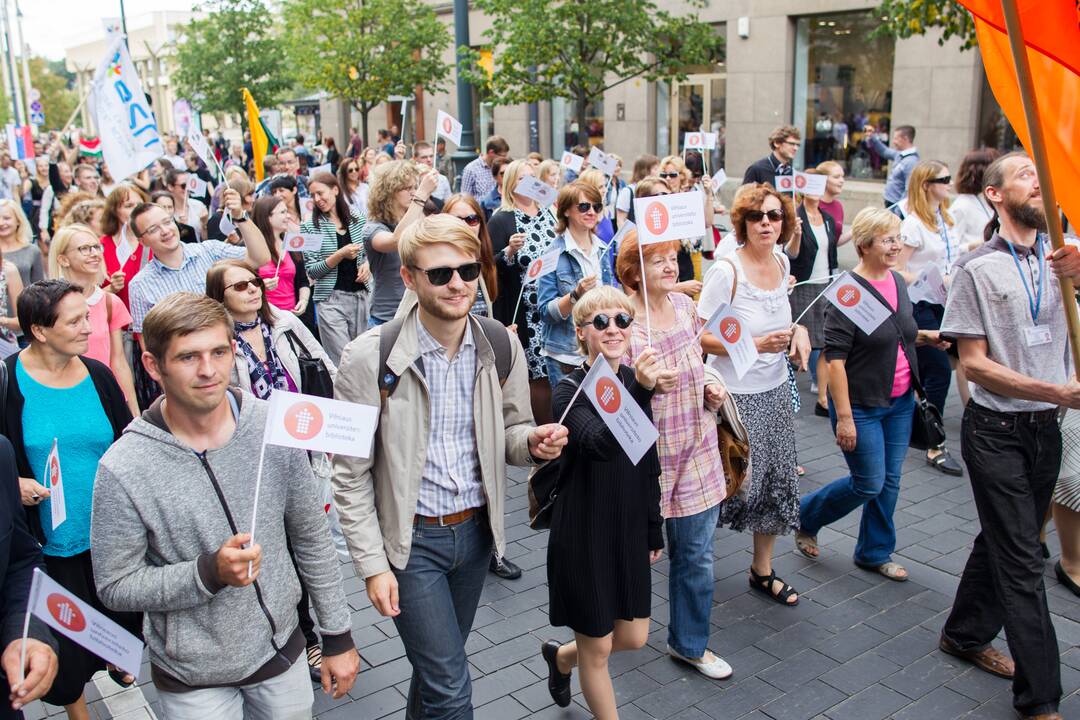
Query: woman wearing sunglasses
[753,281]
[606,522]
[678,178]
[522,231]
[583,264]
[353,181]
[692,482]
[931,240]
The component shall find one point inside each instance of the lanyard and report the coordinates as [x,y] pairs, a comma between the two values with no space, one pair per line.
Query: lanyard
[1033,303]
[944,234]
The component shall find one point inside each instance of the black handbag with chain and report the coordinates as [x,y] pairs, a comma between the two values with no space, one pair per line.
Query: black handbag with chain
[314,377]
[927,427]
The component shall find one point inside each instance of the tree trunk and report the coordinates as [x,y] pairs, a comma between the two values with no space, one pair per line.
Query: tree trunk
[583,131]
[364,124]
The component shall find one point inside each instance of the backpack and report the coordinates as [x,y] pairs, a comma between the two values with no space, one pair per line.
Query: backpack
[495,332]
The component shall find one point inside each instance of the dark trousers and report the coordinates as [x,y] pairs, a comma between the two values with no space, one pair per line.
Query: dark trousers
[935,372]
[1013,461]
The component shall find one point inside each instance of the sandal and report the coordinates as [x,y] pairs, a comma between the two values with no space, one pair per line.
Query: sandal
[314,662]
[764,583]
[800,470]
[805,543]
[119,676]
[890,570]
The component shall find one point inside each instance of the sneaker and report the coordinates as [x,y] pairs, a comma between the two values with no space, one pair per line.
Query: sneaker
[503,568]
[813,388]
[717,668]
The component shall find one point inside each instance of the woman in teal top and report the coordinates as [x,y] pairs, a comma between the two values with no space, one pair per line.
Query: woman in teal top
[55,396]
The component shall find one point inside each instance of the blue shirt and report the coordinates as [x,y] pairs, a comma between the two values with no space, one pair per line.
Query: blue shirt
[903,162]
[47,415]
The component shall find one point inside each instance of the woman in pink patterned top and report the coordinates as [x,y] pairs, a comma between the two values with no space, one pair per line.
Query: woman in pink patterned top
[692,475]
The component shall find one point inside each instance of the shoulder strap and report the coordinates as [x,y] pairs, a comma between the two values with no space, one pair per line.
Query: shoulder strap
[388,335]
[734,278]
[108,309]
[499,338]
[293,340]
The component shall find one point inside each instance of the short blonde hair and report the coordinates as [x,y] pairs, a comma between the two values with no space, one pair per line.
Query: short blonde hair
[595,300]
[60,243]
[387,180]
[511,175]
[871,223]
[546,167]
[594,177]
[22,231]
[435,229]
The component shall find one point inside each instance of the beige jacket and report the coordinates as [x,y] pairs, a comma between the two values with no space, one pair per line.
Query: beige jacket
[376,498]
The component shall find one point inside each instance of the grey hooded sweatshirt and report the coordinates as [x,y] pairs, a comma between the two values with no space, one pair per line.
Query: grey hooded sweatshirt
[157,522]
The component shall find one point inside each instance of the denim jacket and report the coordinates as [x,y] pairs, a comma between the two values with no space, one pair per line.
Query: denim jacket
[558,331]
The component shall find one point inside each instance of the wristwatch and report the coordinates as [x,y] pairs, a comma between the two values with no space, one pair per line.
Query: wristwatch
[243,218]
[574,297]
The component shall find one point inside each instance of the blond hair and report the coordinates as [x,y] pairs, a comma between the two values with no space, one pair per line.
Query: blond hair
[82,213]
[435,229]
[59,246]
[511,175]
[181,313]
[595,300]
[22,227]
[869,224]
[919,194]
[546,167]
[596,178]
[387,180]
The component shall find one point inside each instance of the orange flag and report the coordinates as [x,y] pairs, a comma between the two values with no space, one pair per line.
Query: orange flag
[1052,36]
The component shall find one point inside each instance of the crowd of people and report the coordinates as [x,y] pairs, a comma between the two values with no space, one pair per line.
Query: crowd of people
[147,319]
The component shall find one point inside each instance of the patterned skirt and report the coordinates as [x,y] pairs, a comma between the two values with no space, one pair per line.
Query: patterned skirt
[772,507]
[814,320]
[1067,490]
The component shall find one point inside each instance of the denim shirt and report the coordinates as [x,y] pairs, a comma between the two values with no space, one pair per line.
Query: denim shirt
[903,162]
[558,331]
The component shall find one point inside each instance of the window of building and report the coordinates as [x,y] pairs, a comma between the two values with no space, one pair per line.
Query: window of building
[843,82]
[697,103]
[995,130]
[564,124]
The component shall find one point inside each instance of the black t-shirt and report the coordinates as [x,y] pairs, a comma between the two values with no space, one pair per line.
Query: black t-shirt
[346,270]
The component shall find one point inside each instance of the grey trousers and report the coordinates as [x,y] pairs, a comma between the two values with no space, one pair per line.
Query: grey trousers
[342,317]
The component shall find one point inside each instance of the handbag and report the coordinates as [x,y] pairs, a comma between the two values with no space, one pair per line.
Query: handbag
[544,487]
[927,427]
[733,442]
[314,377]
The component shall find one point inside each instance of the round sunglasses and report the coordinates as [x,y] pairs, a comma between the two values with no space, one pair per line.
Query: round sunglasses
[442,275]
[602,321]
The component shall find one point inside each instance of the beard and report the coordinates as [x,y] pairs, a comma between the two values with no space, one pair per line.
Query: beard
[1027,215]
[432,305]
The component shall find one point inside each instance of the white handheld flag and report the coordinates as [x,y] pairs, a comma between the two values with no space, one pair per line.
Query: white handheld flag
[718,180]
[730,331]
[448,126]
[546,263]
[670,217]
[310,422]
[197,142]
[307,209]
[196,186]
[694,141]
[324,168]
[528,186]
[302,242]
[126,125]
[810,183]
[784,183]
[619,411]
[623,230]
[929,287]
[77,620]
[572,161]
[710,140]
[54,481]
[226,226]
[857,303]
[600,159]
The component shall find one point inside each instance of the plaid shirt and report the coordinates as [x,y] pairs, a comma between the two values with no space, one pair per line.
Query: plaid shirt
[692,474]
[151,284]
[450,481]
[476,179]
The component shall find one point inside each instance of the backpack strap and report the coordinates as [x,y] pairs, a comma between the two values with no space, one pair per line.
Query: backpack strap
[499,339]
[388,335]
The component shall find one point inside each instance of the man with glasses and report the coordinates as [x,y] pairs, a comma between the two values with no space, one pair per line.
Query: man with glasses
[424,153]
[903,155]
[420,526]
[784,142]
[178,266]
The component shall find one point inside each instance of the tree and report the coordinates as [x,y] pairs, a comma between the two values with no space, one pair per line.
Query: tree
[364,51]
[231,47]
[58,100]
[904,18]
[578,50]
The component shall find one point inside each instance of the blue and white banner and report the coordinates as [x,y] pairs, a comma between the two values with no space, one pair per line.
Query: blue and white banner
[128,130]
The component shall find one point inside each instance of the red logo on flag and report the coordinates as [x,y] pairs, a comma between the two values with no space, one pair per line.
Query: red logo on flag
[303,420]
[848,295]
[54,471]
[730,329]
[695,139]
[608,395]
[66,612]
[656,218]
[447,126]
[296,242]
[800,181]
[785,183]
[536,268]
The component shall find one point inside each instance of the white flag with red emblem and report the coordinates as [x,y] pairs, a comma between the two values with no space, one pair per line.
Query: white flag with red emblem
[448,126]
[54,481]
[855,301]
[310,422]
[619,410]
[302,242]
[670,217]
[572,161]
[729,330]
[542,265]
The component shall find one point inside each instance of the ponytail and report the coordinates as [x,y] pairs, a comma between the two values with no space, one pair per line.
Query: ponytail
[991,227]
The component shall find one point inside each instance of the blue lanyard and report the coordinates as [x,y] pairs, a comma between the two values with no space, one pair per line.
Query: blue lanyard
[944,233]
[1033,303]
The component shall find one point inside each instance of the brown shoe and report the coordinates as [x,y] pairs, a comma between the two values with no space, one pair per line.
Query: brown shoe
[1044,716]
[989,660]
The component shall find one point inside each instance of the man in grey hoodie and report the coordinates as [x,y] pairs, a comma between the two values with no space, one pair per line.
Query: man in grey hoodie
[172,501]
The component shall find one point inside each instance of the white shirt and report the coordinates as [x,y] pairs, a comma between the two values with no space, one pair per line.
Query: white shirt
[195,212]
[626,197]
[929,245]
[821,260]
[177,162]
[972,213]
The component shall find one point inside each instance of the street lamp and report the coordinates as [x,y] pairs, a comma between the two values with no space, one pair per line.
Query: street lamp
[466,151]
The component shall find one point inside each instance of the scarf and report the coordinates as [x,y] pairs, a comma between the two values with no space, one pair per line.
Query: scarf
[267,376]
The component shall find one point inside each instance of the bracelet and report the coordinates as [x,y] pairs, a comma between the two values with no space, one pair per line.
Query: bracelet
[574,297]
[419,201]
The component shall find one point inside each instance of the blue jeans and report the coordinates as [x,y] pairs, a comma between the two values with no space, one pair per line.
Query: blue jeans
[812,362]
[935,371]
[373,321]
[554,371]
[690,580]
[439,590]
[881,441]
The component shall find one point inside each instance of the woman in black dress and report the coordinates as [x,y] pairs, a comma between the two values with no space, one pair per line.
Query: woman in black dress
[606,523]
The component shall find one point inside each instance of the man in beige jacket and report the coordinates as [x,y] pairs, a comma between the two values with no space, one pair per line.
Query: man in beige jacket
[420,515]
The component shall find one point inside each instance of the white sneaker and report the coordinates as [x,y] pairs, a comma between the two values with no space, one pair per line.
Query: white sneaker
[813,388]
[717,668]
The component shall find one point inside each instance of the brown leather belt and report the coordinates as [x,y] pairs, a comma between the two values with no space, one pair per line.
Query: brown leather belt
[453,519]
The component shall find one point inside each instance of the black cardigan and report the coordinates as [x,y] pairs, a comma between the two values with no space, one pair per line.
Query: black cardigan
[871,359]
[501,226]
[803,263]
[112,401]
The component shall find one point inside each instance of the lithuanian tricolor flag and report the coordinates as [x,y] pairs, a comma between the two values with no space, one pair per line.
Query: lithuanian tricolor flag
[262,140]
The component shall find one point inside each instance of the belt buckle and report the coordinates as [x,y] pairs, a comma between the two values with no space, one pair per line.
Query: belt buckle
[442,520]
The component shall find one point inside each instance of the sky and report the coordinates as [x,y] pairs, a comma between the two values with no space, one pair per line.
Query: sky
[51,25]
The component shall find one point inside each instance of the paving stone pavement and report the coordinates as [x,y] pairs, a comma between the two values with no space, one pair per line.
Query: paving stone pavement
[857,646]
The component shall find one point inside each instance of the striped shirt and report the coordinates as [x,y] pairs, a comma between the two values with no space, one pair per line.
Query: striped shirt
[450,481]
[324,276]
[156,280]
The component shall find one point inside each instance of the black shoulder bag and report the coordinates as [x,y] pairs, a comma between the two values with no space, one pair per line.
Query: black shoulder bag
[314,377]
[927,427]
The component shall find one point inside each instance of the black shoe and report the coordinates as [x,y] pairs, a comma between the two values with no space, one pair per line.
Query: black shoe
[1045,550]
[946,464]
[1064,579]
[558,684]
[820,410]
[503,568]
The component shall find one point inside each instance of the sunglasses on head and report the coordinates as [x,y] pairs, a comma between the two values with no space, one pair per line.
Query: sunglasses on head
[756,215]
[242,286]
[442,275]
[471,220]
[665,175]
[941,180]
[584,207]
[601,321]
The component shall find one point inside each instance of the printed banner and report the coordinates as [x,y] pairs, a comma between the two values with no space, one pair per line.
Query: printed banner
[197,142]
[303,242]
[310,422]
[542,265]
[738,342]
[600,159]
[572,161]
[694,141]
[670,217]
[929,287]
[528,186]
[719,179]
[196,186]
[126,125]
[54,481]
[805,183]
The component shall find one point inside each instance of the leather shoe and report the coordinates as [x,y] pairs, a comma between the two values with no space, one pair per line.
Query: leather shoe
[988,659]
[558,683]
[1043,716]
[503,568]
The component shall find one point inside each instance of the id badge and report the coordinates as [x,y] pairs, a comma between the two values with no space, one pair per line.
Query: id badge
[1038,335]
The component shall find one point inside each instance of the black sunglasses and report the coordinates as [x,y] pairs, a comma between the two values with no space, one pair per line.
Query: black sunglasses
[756,215]
[243,284]
[442,275]
[669,175]
[601,321]
[471,220]
[941,180]
[584,207]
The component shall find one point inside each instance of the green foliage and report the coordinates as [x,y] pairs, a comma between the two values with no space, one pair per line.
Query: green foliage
[904,18]
[582,48]
[364,51]
[232,46]
[57,99]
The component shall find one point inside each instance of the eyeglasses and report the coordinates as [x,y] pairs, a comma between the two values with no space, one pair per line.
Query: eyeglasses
[665,175]
[442,275]
[941,180]
[755,216]
[88,250]
[793,143]
[890,241]
[155,229]
[584,207]
[352,170]
[471,220]
[602,322]
[242,286]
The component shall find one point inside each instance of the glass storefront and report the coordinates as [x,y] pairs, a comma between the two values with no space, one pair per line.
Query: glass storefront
[697,103]
[843,82]
[564,125]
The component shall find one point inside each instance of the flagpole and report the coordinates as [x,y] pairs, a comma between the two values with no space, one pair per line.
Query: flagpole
[517,305]
[1042,166]
[255,505]
[807,308]
[645,294]
[22,646]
